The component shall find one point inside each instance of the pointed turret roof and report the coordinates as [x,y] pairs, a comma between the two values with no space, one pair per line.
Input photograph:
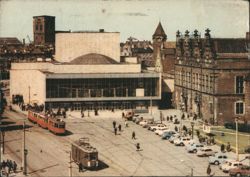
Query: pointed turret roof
[159,31]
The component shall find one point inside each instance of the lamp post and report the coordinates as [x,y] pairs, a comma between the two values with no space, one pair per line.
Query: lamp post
[25,152]
[182,109]
[192,125]
[236,134]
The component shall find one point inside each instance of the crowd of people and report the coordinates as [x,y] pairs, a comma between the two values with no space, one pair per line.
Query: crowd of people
[8,166]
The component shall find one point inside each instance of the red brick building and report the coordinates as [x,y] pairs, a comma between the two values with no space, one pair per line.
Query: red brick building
[211,77]
[44,30]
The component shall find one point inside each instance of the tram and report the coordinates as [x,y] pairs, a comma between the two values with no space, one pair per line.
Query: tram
[84,153]
[54,125]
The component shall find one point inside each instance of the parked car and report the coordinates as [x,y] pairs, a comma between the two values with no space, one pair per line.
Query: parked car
[182,141]
[194,147]
[230,164]
[153,128]
[161,130]
[143,122]
[175,136]
[138,120]
[205,151]
[129,115]
[218,158]
[166,135]
[135,117]
[240,171]
[148,125]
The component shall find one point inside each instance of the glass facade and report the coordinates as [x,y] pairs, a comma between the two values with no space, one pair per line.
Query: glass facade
[100,87]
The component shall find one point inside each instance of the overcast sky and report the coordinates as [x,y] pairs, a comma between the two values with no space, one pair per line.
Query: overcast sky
[137,18]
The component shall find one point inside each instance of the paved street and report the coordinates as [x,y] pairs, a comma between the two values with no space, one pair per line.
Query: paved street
[158,157]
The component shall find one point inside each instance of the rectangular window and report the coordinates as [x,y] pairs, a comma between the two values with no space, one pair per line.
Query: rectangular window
[41,27]
[239,107]
[239,84]
[36,27]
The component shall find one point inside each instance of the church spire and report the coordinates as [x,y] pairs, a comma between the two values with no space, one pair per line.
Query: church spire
[160,31]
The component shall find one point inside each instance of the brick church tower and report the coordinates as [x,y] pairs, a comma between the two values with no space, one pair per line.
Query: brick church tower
[44,30]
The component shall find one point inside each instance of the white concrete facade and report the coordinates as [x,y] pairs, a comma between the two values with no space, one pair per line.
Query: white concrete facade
[67,68]
[72,45]
[30,84]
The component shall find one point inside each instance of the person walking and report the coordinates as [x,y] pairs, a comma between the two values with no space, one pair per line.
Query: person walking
[120,127]
[115,131]
[14,166]
[126,123]
[80,167]
[133,135]
[114,124]
[138,146]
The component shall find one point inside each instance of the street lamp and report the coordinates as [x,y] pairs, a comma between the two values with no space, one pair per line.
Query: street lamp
[236,134]
[192,125]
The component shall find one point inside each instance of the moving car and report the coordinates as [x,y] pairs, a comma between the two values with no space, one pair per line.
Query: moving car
[218,158]
[194,147]
[240,171]
[230,164]
[205,151]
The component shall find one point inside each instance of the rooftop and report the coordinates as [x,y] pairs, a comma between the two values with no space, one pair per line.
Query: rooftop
[159,31]
[93,59]
[9,41]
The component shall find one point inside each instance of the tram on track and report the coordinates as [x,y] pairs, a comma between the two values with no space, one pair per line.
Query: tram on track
[54,125]
[84,153]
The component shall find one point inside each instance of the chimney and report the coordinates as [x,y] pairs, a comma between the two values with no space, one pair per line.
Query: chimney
[23,41]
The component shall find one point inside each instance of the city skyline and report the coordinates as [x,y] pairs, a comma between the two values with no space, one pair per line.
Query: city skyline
[131,18]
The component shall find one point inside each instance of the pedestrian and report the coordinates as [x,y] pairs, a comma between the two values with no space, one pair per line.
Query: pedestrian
[14,166]
[138,146]
[228,147]
[120,127]
[11,165]
[80,167]
[3,165]
[8,169]
[209,170]
[222,148]
[115,131]
[126,123]
[123,115]
[82,114]
[114,124]
[133,135]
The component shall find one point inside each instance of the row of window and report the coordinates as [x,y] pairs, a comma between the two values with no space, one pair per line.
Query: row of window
[204,82]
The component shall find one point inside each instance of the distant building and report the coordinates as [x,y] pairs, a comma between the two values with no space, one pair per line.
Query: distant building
[209,77]
[142,50]
[44,30]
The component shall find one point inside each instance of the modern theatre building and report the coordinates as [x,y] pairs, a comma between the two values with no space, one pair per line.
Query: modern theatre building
[86,73]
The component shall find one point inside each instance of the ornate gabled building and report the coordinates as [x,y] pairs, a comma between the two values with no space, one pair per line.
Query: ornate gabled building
[209,77]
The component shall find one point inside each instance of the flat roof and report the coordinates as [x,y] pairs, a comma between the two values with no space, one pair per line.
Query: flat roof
[99,75]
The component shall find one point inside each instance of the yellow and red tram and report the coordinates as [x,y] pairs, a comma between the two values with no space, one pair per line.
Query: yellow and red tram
[55,125]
